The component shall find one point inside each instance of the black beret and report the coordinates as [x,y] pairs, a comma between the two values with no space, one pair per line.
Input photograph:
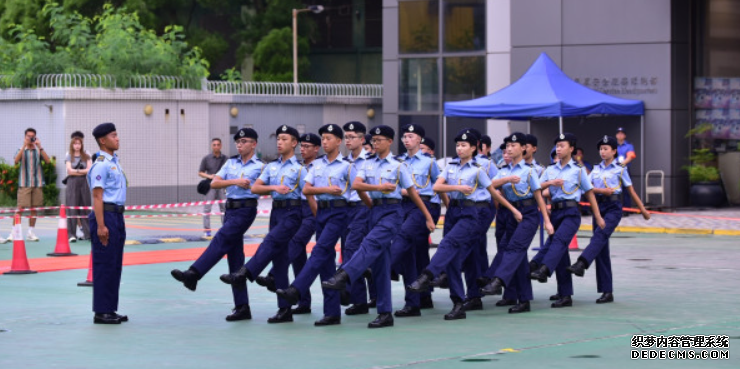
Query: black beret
[289,130]
[569,137]
[246,133]
[429,142]
[383,130]
[355,126]
[311,138]
[608,140]
[532,140]
[502,147]
[103,129]
[413,128]
[486,139]
[333,129]
[368,139]
[516,137]
[473,131]
[77,134]
[468,137]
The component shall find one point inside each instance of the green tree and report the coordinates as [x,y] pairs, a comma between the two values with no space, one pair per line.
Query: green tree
[273,56]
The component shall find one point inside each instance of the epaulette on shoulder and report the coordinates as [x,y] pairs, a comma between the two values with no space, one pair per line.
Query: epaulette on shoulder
[553,163]
[399,158]
[476,164]
[234,157]
[100,158]
[529,165]
[321,156]
[579,165]
[623,165]
[369,157]
[428,155]
[454,161]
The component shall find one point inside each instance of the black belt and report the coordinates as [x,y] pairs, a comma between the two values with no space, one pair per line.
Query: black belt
[241,203]
[324,204]
[462,203]
[384,201]
[353,204]
[482,204]
[524,203]
[611,198]
[560,205]
[279,204]
[426,198]
[113,208]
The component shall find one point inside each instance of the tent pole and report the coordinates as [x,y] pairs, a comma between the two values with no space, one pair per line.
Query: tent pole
[561,124]
[444,138]
[642,156]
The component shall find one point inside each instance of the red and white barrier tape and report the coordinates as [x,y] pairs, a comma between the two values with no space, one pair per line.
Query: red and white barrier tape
[265,212]
[130,207]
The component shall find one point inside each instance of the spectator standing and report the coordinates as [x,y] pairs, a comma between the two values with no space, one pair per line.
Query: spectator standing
[78,163]
[209,166]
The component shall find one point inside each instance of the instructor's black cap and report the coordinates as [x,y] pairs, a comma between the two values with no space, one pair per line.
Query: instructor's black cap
[608,140]
[333,129]
[355,126]
[429,142]
[311,138]
[246,133]
[288,130]
[568,137]
[383,130]
[516,137]
[103,129]
[413,128]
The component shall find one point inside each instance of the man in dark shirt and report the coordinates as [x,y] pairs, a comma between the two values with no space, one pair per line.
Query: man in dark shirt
[209,166]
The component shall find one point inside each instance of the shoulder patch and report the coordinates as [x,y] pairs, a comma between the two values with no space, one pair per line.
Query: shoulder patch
[476,164]
[234,157]
[100,158]
[579,165]
[623,165]
[399,158]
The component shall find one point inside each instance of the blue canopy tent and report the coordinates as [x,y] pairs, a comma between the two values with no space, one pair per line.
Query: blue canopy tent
[544,91]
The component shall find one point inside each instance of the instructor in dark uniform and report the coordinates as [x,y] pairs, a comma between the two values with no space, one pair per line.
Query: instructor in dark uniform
[107,229]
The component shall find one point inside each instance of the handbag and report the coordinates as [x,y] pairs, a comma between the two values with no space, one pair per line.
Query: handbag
[78,166]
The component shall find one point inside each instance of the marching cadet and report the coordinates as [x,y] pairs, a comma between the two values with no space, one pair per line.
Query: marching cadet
[460,179]
[521,186]
[329,180]
[608,179]
[412,236]
[310,144]
[530,149]
[283,179]
[368,144]
[384,178]
[567,181]
[107,229]
[427,146]
[354,135]
[237,176]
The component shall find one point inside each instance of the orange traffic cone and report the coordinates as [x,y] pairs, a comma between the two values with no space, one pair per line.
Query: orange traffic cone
[89,281]
[20,261]
[574,244]
[62,247]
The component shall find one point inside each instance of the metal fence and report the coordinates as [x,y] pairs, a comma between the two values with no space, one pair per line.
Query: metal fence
[286,89]
[75,81]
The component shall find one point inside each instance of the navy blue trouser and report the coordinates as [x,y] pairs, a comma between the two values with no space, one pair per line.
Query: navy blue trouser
[598,249]
[513,269]
[229,241]
[297,254]
[375,252]
[284,223]
[422,250]
[554,253]
[351,240]
[502,216]
[476,262]
[413,235]
[330,224]
[459,239]
[107,262]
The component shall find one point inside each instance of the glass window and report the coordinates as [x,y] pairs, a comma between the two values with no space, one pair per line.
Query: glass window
[418,26]
[464,78]
[464,25]
[431,124]
[419,87]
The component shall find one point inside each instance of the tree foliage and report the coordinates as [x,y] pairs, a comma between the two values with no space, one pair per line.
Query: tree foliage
[113,43]
[273,56]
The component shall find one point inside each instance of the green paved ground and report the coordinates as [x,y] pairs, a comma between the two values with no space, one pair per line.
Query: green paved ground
[663,285]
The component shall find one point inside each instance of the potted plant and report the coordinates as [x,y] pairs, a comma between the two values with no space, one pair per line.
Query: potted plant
[706,189]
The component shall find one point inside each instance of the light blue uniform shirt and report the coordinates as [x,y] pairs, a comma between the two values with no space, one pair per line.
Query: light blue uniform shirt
[387,170]
[469,174]
[487,164]
[357,162]
[613,176]
[526,187]
[424,173]
[235,168]
[576,179]
[289,173]
[539,169]
[340,173]
[106,173]
[307,167]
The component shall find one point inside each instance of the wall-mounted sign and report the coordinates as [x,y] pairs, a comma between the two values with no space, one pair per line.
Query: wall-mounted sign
[643,85]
